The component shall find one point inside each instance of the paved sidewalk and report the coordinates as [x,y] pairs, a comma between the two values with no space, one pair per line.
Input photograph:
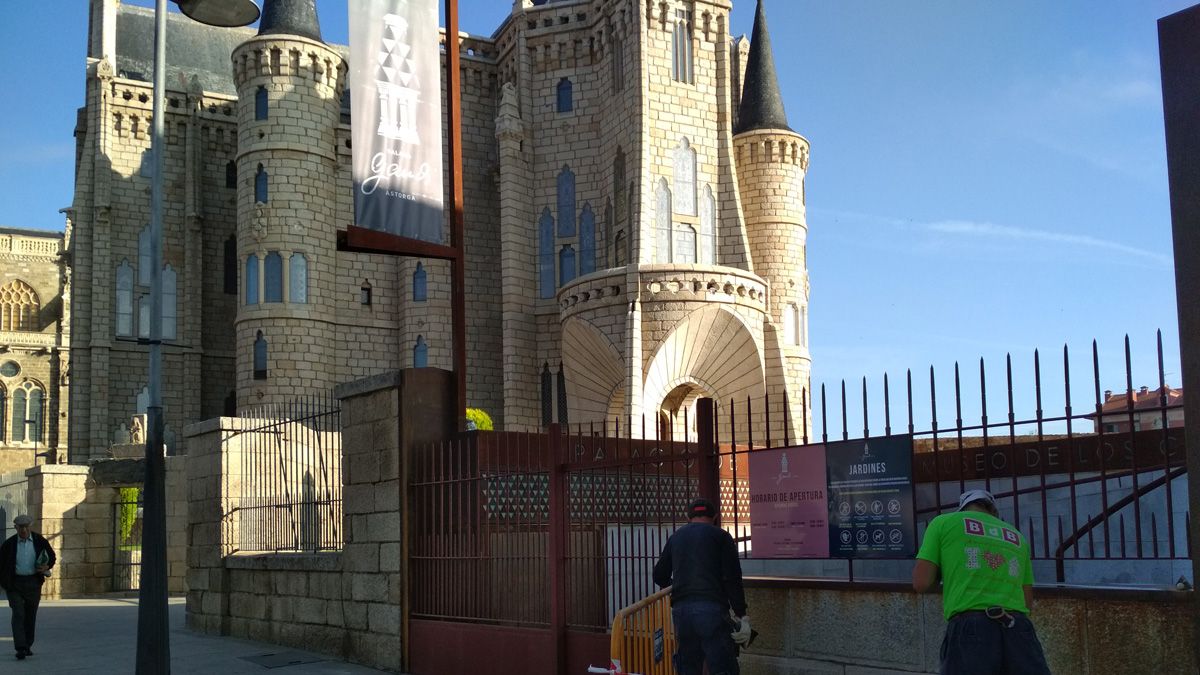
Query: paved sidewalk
[98,637]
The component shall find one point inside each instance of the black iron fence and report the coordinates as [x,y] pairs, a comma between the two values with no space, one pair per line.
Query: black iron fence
[285,477]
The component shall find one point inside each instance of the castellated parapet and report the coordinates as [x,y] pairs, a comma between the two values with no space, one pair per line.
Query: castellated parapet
[771,166]
[289,104]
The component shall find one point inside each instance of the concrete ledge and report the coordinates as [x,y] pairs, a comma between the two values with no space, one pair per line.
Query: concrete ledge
[368,385]
[290,562]
[70,469]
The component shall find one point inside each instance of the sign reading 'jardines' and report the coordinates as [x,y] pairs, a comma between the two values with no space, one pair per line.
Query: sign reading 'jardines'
[395,93]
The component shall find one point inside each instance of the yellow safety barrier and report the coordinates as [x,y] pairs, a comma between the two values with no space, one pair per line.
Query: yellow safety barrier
[643,639]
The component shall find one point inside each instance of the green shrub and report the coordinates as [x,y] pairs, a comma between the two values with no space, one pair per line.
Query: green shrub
[128,498]
[482,420]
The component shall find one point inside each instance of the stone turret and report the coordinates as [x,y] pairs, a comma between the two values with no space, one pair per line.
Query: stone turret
[771,164]
[289,86]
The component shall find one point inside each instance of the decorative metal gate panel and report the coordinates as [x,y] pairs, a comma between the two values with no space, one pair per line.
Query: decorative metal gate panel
[127,541]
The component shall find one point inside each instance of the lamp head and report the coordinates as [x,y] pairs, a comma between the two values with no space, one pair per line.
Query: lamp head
[224,13]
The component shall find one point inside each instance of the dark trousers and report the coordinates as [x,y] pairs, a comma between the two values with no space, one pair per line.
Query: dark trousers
[977,645]
[702,633]
[23,598]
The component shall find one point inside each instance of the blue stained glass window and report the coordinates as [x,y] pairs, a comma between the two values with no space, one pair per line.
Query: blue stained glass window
[566,265]
[18,415]
[252,279]
[587,241]
[125,300]
[420,284]
[546,255]
[547,394]
[260,104]
[566,203]
[420,353]
[298,278]
[260,185]
[273,277]
[35,415]
[566,101]
[260,356]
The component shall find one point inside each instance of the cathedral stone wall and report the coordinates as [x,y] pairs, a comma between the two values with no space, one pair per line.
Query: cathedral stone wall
[583,92]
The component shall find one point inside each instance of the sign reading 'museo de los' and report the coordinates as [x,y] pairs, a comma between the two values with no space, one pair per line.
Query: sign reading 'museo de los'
[852,499]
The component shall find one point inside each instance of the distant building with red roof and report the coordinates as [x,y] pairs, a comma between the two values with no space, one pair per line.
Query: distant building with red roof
[1140,408]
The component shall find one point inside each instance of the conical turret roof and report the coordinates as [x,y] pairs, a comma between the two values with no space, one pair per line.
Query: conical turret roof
[762,104]
[290,17]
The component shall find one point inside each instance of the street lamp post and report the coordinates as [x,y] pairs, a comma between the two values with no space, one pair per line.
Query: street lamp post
[153,646]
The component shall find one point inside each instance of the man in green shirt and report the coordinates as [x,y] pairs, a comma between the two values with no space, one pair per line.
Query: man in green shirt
[987,589]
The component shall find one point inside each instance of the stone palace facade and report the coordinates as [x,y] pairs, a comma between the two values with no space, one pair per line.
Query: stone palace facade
[634,210]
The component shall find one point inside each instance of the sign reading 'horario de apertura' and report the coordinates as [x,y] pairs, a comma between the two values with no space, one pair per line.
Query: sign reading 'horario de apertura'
[395,92]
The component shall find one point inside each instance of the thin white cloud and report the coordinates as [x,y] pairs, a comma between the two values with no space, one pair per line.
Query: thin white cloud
[966,228]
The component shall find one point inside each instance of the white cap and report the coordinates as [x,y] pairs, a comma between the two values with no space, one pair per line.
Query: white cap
[976,496]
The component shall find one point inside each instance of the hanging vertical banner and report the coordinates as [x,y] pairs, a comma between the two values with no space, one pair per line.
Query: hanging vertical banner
[395,94]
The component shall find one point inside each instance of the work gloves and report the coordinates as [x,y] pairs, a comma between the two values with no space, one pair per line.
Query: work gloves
[744,633]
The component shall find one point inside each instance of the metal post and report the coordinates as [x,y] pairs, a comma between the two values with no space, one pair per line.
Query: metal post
[153,637]
[458,284]
[1179,54]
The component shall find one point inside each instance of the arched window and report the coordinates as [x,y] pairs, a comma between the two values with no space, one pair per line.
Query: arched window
[685,178]
[708,227]
[681,47]
[662,222]
[562,395]
[566,203]
[260,103]
[587,240]
[260,185]
[791,336]
[620,249]
[803,327]
[618,64]
[546,255]
[566,101]
[252,279]
[420,353]
[273,277]
[365,293]
[125,299]
[142,403]
[547,395]
[683,249]
[144,266]
[34,413]
[19,398]
[144,316]
[231,174]
[419,286]
[19,306]
[231,265]
[170,306]
[566,265]
[229,409]
[260,356]
[298,278]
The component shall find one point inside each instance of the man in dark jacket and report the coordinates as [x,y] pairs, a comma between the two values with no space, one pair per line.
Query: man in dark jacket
[25,560]
[700,564]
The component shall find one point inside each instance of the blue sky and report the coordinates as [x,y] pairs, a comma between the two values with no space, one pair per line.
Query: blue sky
[986,178]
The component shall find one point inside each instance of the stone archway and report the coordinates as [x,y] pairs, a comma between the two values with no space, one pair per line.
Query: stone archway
[595,373]
[712,352]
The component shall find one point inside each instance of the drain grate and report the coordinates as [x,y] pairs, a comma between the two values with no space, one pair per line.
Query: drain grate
[282,659]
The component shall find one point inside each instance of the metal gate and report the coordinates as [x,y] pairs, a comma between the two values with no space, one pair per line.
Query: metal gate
[127,540]
[524,546]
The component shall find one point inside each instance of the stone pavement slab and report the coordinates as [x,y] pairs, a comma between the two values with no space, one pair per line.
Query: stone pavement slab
[99,637]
